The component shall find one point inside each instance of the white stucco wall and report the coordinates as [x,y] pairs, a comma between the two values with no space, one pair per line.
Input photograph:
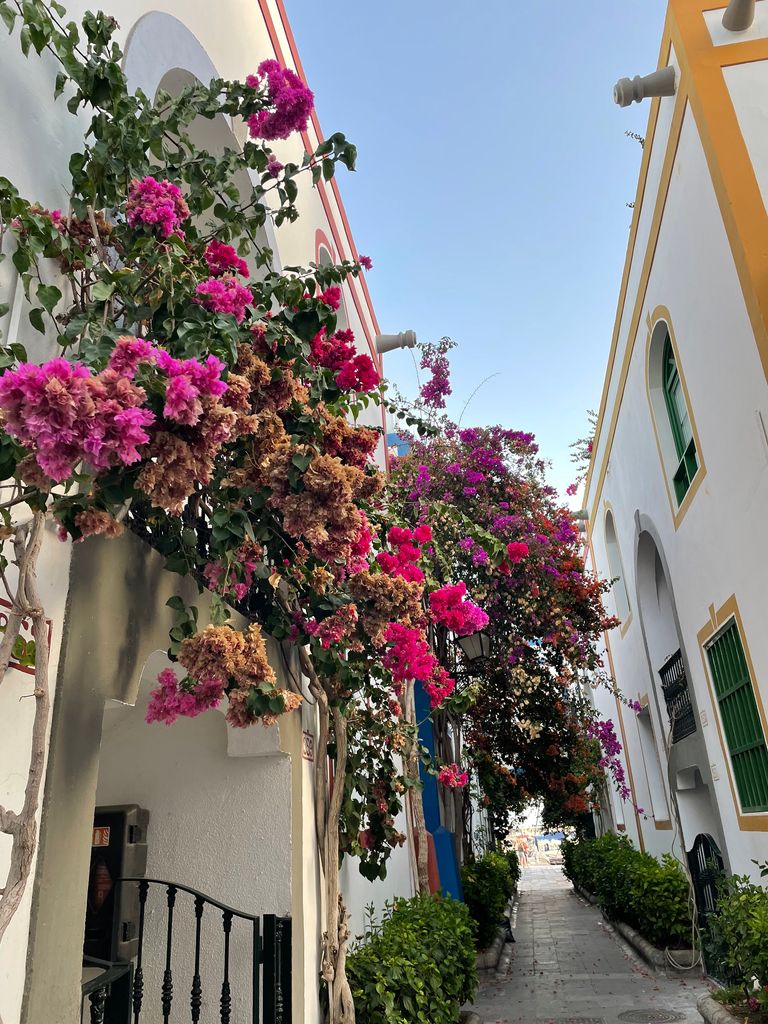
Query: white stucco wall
[17,710]
[218,823]
[719,548]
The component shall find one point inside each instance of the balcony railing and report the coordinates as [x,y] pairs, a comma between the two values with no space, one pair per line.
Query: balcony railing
[263,943]
[674,685]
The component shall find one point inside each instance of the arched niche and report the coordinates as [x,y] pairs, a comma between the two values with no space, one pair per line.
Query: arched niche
[616,568]
[162,53]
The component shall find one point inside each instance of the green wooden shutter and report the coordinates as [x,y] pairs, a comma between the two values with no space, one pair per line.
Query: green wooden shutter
[741,719]
[680,423]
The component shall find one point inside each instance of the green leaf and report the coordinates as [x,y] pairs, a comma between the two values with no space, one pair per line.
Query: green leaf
[8,15]
[328,169]
[61,81]
[102,291]
[48,295]
[36,319]
[21,260]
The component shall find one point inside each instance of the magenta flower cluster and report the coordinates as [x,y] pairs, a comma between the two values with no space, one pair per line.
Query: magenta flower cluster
[188,382]
[222,259]
[224,295]
[291,99]
[452,777]
[434,358]
[353,372]
[450,608]
[66,416]
[605,733]
[173,699]
[156,205]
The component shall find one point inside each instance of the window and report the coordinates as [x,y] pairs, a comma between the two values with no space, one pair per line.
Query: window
[680,422]
[740,717]
[615,568]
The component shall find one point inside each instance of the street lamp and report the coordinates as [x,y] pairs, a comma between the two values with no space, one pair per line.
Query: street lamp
[476,646]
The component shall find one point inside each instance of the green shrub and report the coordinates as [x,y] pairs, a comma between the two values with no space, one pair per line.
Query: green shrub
[514,867]
[488,885]
[417,966]
[649,895]
[738,930]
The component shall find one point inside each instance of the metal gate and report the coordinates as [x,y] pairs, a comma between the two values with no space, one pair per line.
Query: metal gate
[707,869]
[261,945]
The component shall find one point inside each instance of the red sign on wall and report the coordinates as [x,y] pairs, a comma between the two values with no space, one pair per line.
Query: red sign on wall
[23,657]
[101,836]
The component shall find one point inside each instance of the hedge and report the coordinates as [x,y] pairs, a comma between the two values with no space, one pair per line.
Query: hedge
[649,895]
[418,966]
[488,884]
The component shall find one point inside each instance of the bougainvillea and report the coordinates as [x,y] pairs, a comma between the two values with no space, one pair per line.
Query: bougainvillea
[452,777]
[502,531]
[290,99]
[213,421]
[156,205]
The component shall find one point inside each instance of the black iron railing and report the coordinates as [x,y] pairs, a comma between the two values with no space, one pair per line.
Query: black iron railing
[111,984]
[674,685]
[264,940]
[707,869]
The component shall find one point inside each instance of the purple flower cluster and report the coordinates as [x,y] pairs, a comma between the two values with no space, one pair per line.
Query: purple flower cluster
[605,733]
[291,99]
[433,358]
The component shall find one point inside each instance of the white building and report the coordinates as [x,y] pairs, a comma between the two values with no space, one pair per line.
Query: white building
[230,813]
[678,484]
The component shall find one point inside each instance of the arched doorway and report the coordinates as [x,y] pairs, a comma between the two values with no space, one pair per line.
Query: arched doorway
[673,731]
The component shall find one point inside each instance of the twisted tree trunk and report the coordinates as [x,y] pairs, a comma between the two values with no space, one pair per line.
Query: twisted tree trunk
[411,760]
[22,826]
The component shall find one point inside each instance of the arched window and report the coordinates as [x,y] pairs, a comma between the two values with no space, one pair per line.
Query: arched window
[673,417]
[615,568]
[680,422]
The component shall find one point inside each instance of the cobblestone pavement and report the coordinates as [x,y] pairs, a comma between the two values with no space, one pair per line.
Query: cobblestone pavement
[569,967]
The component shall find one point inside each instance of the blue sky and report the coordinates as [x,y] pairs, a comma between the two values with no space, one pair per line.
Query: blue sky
[492,184]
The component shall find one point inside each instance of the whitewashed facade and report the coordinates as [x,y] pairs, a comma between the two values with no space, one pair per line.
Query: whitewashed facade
[678,484]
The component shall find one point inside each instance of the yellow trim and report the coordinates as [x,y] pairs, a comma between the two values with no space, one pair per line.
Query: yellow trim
[702,84]
[624,624]
[650,135]
[659,315]
[653,237]
[730,165]
[750,822]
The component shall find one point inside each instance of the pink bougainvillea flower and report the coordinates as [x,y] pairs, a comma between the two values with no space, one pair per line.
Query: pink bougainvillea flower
[273,166]
[331,296]
[224,295]
[156,205]
[366,262]
[517,551]
[359,374]
[450,608]
[451,776]
[291,99]
[173,699]
[222,259]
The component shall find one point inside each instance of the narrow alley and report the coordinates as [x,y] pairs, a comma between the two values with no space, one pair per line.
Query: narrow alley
[569,967]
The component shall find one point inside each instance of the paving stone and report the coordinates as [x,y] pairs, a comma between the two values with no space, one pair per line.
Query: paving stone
[568,968]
